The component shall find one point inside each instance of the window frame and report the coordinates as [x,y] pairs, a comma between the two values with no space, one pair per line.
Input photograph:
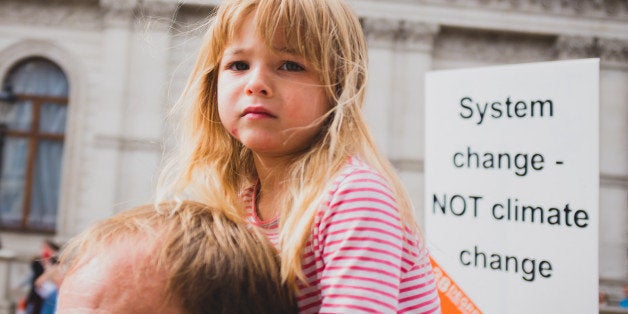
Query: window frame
[34,137]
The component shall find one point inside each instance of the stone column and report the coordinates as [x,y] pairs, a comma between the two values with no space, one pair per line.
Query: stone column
[104,115]
[400,52]
[613,158]
[380,35]
[613,54]
[144,112]
[413,59]
[575,47]
[6,258]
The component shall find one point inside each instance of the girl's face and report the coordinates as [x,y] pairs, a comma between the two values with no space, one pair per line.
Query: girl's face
[269,98]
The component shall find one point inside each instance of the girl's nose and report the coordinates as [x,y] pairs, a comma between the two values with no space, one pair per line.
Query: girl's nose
[258,84]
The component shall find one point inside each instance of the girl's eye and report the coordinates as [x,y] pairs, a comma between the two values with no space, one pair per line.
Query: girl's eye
[291,66]
[238,66]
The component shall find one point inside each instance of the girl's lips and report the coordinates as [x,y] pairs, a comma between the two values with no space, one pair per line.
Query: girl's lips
[257,112]
[254,116]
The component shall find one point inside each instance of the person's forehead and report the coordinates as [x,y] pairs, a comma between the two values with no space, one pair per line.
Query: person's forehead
[117,281]
[247,26]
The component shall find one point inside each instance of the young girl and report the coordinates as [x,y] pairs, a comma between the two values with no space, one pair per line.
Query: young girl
[273,131]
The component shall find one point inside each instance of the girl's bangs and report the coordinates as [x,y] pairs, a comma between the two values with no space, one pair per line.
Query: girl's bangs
[228,20]
[298,22]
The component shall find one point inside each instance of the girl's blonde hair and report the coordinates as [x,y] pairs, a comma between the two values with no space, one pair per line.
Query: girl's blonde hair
[212,167]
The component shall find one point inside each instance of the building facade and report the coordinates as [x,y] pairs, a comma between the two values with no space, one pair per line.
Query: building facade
[124,63]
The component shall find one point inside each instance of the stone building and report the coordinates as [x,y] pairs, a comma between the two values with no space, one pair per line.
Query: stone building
[105,73]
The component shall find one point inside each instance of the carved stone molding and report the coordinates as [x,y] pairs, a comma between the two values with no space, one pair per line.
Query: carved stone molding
[118,14]
[159,8]
[617,9]
[380,30]
[610,180]
[408,35]
[122,143]
[75,14]
[416,35]
[607,49]
[118,6]
[571,47]
[492,47]
[613,50]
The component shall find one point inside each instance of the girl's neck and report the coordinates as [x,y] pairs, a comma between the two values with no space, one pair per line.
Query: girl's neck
[272,175]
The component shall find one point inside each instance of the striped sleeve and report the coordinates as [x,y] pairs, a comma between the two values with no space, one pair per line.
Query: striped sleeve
[362,244]
[359,258]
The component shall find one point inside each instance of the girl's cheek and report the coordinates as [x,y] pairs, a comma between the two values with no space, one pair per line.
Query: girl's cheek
[225,124]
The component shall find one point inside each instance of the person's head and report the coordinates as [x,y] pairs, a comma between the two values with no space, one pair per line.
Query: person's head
[300,68]
[48,249]
[322,36]
[172,259]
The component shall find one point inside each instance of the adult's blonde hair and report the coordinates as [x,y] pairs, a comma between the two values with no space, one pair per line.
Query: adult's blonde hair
[211,264]
[209,165]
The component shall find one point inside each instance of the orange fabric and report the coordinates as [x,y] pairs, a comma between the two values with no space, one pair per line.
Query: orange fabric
[452,299]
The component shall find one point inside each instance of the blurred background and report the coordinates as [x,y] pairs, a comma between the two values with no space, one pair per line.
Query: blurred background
[86,86]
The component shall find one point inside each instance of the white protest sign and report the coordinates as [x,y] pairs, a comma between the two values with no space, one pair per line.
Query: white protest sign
[512,183]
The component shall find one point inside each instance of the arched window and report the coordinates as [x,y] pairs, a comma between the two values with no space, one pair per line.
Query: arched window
[32,124]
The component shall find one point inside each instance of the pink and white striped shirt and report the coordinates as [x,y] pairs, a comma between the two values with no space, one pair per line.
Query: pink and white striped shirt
[359,258]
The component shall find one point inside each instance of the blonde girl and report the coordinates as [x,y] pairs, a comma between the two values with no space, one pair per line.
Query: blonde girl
[273,132]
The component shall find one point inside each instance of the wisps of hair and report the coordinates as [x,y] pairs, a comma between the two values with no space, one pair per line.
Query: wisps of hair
[210,164]
[208,260]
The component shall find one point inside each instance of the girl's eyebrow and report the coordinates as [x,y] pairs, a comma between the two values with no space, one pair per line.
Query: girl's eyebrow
[285,49]
[239,51]
[234,51]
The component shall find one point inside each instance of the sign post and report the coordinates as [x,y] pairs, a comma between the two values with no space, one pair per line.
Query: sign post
[512,183]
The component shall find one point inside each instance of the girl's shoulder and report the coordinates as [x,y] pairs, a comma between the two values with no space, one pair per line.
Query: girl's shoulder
[358,177]
[356,172]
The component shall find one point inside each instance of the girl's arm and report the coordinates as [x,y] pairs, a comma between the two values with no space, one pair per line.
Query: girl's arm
[369,263]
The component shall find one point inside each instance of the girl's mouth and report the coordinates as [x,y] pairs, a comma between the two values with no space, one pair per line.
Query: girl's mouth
[257,112]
